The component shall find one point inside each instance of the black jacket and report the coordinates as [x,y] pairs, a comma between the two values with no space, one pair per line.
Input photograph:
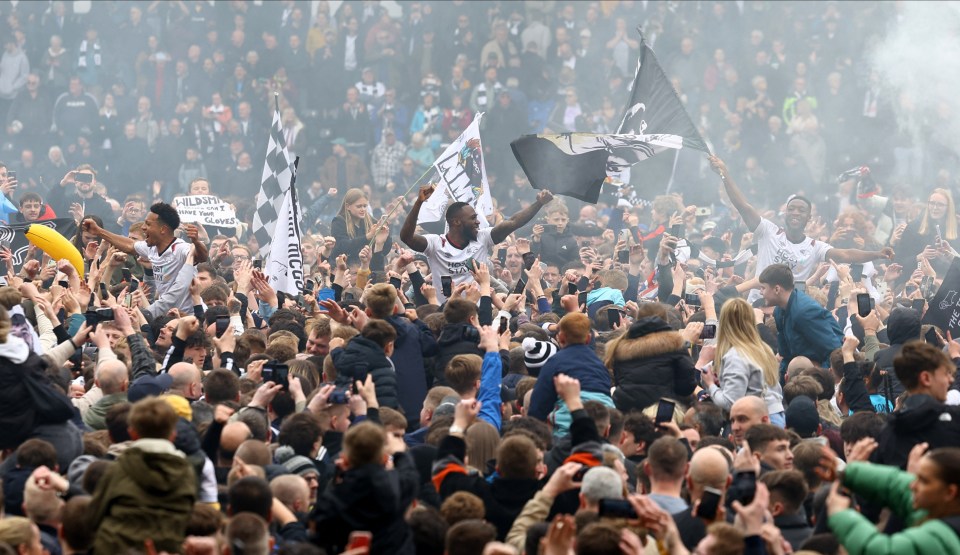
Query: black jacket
[351,246]
[369,498]
[503,499]
[921,419]
[560,248]
[361,357]
[651,365]
[414,343]
[903,325]
[460,339]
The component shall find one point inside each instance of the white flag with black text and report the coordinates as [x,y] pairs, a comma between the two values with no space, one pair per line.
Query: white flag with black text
[460,176]
[284,264]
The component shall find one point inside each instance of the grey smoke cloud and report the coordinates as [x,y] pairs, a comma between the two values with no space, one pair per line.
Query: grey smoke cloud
[919,63]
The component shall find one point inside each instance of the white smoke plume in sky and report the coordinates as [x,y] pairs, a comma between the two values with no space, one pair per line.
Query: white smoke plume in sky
[919,64]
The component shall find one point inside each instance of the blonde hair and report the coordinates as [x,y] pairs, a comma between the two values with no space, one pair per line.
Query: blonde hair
[352,196]
[951,217]
[737,330]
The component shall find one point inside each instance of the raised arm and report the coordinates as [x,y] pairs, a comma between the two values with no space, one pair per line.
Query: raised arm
[122,243]
[521,218]
[749,214]
[857,256]
[408,233]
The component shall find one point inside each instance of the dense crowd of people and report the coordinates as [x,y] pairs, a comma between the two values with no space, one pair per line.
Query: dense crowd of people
[718,369]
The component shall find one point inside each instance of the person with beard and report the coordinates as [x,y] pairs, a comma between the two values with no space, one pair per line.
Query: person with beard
[789,244]
[464,243]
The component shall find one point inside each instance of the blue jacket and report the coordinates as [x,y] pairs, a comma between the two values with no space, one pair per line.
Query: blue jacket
[489,395]
[576,361]
[806,329]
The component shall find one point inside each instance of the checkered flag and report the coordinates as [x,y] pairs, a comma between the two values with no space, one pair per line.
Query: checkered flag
[277,171]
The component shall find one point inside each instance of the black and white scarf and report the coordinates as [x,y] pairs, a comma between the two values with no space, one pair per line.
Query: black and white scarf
[97,60]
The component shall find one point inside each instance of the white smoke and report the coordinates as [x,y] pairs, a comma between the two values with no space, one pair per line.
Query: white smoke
[919,65]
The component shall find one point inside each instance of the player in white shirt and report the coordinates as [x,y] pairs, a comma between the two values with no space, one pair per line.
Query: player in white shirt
[167,254]
[790,244]
[451,254]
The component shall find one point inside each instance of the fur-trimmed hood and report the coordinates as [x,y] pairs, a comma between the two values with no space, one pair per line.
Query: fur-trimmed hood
[649,345]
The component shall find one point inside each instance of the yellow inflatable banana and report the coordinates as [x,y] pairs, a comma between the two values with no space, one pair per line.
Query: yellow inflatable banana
[56,245]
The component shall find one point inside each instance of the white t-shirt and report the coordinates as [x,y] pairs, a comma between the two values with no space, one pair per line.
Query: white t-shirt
[166,266]
[445,259]
[773,247]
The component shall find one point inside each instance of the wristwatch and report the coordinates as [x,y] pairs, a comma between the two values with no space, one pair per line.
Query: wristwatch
[456,430]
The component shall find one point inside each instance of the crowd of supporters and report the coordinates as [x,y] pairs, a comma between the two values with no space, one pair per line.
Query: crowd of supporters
[721,369]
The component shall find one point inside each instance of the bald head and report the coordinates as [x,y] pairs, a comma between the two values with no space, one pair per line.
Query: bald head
[292,491]
[233,435]
[112,377]
[799,363]
[186,380]
[708,468]
[254,452]
[746,413]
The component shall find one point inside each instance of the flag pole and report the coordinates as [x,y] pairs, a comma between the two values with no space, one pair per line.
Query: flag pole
[412,187]
[643,40]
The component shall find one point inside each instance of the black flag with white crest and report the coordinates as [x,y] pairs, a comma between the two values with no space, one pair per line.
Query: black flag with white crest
[655,106]
[576,164]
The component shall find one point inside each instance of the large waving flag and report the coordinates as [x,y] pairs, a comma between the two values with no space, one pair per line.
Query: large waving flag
[576,164]
[284,264]
[277,175]
[655,106]
[460,176]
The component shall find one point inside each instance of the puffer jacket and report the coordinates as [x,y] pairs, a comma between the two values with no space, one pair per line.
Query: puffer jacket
[648,363]
[889,487]
[361,357]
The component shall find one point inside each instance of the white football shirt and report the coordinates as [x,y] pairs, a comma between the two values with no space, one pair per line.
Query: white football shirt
[773,247]
[166,266]
[445,259]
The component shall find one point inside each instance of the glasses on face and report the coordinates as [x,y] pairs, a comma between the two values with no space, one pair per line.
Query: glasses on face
[240,257]
[935,204]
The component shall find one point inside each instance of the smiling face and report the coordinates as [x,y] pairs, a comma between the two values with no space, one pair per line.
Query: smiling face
[796,216]
[153,229]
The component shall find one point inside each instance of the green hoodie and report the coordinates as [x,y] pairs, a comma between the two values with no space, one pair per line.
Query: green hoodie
[148,493]
[96,415]
[890,487]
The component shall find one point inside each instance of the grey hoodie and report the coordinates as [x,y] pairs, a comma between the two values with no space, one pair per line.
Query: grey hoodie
[741,377]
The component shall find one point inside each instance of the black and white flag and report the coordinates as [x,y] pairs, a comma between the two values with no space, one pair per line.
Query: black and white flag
[13,236]
[284,265]
[277,174]
[577,164]
[655,107]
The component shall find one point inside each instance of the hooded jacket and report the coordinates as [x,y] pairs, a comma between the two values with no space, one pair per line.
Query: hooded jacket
[21,372]
[372,498]
[361,357]
[649,362]
[148,494]
[903,325]
[742,377]
[460,339]
[921,419]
